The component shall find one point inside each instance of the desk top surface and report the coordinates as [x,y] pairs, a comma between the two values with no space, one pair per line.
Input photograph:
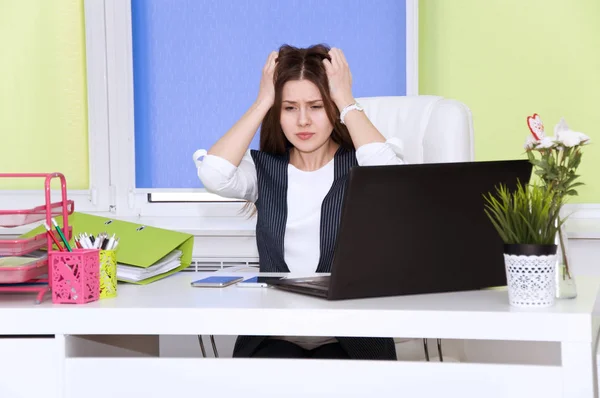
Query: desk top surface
[172,306]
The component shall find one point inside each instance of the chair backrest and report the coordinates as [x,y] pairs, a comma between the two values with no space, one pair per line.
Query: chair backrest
[432,129]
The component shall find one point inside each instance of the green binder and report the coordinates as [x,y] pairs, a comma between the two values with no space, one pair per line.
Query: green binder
[139,245]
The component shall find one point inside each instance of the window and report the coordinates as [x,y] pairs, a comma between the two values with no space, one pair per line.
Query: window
[44,118]
[180,75]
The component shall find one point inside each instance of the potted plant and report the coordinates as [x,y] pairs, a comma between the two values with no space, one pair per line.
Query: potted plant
[527,221]
[555,160]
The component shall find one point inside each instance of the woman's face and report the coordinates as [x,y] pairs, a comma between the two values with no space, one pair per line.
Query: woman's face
[303,118]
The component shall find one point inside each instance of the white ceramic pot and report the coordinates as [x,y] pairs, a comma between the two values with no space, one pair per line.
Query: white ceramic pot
[530,279]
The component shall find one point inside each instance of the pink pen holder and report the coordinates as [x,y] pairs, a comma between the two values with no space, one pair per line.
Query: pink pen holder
[75,276]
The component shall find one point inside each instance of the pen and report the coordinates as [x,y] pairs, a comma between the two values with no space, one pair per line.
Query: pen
[111,242]
[56,242]
[79,242]
[89,241]
[100,240]
[84,242]
[62,236]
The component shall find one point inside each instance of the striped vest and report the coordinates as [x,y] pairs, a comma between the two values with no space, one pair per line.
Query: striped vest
[272,174]
[271,206]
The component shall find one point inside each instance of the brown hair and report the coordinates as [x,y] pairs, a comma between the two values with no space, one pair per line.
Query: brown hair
[300,64]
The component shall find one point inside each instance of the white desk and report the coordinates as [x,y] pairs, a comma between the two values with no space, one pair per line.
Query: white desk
[171,306]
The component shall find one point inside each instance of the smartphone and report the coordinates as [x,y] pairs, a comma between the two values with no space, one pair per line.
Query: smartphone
[217,281]
[258,281]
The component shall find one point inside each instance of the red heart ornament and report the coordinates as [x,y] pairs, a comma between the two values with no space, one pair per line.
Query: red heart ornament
[536,126]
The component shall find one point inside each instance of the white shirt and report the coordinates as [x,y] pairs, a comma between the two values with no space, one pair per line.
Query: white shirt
[306,191]
[305,194]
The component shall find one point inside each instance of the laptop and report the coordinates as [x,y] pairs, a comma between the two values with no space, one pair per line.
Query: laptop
[415,229]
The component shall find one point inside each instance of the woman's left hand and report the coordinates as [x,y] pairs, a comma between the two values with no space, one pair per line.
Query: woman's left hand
[340,78]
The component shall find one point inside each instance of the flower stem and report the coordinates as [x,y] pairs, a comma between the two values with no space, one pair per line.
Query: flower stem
[563,251]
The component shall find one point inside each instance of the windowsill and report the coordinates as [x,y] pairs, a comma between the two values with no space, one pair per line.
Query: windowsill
[583,228]
[577,228]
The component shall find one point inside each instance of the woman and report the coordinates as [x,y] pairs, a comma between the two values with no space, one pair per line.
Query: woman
[310,127]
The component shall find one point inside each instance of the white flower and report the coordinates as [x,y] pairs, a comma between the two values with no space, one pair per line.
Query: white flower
[568,137]
[546,142]
[561,126]
[530,142]
[573,138]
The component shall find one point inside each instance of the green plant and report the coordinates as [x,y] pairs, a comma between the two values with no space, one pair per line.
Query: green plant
[527,215]
[559,156]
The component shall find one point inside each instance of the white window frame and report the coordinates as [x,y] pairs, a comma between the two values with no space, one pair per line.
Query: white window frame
[97,197]
[133,202]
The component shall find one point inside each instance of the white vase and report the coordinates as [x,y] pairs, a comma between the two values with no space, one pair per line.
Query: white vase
[565,283]
[530,279]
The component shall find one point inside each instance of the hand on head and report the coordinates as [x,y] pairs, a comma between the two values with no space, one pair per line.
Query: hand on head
[266,92]
[340,78]
[338,75]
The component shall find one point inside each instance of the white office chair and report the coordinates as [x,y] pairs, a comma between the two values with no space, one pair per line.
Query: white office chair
[431,129]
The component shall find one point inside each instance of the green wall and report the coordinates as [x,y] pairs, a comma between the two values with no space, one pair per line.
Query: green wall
[507,59]
[43,106]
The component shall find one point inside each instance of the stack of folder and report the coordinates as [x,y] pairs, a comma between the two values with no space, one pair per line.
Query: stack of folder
[145,254]
[134,274]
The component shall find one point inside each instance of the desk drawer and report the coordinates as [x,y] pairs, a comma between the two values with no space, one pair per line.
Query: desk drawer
[29,367]
[266,378]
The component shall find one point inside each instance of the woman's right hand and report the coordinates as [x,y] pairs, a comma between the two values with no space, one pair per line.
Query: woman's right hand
[266,92]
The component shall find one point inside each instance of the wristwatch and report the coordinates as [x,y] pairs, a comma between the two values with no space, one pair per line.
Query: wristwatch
[355,106]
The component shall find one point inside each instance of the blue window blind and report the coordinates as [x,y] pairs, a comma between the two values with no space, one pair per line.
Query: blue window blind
[197,66]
